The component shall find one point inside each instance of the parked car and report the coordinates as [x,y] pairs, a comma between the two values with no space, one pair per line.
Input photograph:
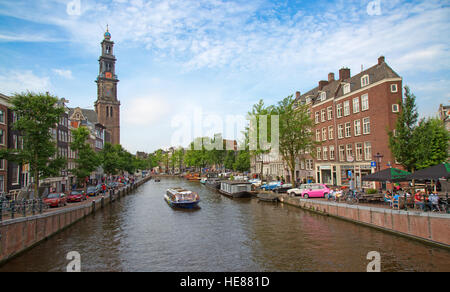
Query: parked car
[55,199]
[310,191]
[283,188]
[76,196]
[92,191]
[271,186]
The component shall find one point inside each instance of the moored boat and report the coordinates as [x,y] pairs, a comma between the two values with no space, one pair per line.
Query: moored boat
[213,183]
[203,180]
[181,198]
[235,189]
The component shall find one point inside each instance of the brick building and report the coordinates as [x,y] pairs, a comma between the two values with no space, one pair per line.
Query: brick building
[4,105]
[352,116]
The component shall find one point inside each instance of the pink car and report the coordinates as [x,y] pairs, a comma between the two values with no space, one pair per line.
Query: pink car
[316,191]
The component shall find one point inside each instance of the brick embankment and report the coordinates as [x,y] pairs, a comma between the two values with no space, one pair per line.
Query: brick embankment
[20,234]
[426,226]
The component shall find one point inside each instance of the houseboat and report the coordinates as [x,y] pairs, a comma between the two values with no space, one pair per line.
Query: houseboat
[181,198]
[235,189]
[213,183]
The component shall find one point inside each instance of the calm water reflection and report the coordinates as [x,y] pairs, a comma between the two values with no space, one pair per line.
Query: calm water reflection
[142,233]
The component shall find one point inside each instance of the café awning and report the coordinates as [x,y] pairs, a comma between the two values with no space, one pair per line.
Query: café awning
[434,172]
[388,174]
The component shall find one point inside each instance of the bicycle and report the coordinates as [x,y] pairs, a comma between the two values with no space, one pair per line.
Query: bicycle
[352,197]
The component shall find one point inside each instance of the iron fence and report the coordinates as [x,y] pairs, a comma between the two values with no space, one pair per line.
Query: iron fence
[10,209]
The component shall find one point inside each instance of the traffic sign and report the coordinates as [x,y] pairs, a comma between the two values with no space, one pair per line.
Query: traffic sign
[373,164]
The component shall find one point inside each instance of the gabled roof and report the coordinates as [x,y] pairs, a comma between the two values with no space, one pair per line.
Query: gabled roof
[335,89]
[88,114]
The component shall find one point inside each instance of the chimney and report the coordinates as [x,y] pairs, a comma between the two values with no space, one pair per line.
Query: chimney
[297,95]
[380,60]
[344,73]
[330,77]
[322,83]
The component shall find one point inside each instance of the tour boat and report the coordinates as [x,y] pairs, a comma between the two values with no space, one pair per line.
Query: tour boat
[181,198]
[235,189]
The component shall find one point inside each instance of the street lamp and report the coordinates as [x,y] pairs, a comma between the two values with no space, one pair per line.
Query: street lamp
[378,157]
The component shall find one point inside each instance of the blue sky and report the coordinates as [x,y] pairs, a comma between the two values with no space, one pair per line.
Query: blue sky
[179,58]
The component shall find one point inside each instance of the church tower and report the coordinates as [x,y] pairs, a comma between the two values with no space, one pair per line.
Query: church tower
[107,106]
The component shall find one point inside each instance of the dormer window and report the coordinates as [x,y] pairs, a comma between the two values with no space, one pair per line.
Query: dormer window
[364,80]
[323,96]
[346,88]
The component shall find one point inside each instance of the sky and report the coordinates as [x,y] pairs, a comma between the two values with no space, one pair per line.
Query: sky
[195,68]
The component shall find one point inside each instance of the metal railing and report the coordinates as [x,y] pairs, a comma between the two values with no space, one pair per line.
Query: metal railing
[10,209]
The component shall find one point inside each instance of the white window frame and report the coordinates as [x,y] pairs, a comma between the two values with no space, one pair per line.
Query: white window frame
[365,80]
[323,96]
[367,151]
[357,127]
[394,88]
[346,108]
[359,156]
[325,153]
[341,152]
[341,131]
[346,88]
[331,152]
[347,130]
[366,126]
[324,134]
[364,102]
[322,115]
[317,117]
[330,133]
[339,110]
[330,112]
[356,105]
[395,108]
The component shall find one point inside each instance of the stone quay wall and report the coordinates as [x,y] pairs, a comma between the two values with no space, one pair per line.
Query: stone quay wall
[20,234]
[425,226]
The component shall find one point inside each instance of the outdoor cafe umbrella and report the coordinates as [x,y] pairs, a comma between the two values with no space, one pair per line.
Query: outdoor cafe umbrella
[434,172]
[388,174]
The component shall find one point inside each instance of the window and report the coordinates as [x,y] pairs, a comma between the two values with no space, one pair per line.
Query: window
[2,164]
[331,152]
[356,105]
[339,110]
[394,88]
[107,111]
[2,116]
[110,111]
[367,151]
[324,134]
[394,132]
[330,112]
[319,153]
[366,126]
[347,130]
[359,151]
[365,102]
[2,183]
[364,80]
[349,151]
[325,153]
[357,124]
[317,135]
[323,96]
[317,117]
[330,133]
[340,131]
[395,108]
[2,137]
[346,88]
[341,153]
[346,108]
[322,115]
[15,175]
[302,164]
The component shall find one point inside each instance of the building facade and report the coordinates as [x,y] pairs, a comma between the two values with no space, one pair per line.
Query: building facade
[352,116]
[4,105]
[107,105]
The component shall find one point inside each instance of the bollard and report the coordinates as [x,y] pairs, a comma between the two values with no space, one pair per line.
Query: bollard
[406,208]
[93,206]
[40,206]
[24,208]
[12,206]
[102,202]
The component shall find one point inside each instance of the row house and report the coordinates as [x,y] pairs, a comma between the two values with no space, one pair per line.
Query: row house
[4,106]
[352,116]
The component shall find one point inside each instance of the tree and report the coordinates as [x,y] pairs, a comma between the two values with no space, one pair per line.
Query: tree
[230,158]
[259,111]
[242,162]
[295,132]
[431,143]
[87,159]
[36,115]
[110,159]
[402,143]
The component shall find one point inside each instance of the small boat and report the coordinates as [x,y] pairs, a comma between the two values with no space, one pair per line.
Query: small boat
[157,180]
[181,198]
[267,197]
[235,189]
[203,180]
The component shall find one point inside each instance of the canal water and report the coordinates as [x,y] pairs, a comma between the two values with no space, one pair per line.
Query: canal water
[142,233]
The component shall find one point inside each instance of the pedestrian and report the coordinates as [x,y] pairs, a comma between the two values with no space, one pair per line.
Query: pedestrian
[103,189]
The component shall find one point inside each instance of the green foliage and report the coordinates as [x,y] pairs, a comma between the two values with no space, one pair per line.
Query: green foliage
[295,132]
[242,162]
[115,159]
[87,159]
[371,191]
[418,145]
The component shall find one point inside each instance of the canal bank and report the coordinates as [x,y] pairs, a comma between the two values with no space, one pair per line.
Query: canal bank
[20,234]
[430,227]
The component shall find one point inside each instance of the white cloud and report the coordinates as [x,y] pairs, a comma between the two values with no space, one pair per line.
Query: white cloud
[143,111]
[20,81]
[63,73]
